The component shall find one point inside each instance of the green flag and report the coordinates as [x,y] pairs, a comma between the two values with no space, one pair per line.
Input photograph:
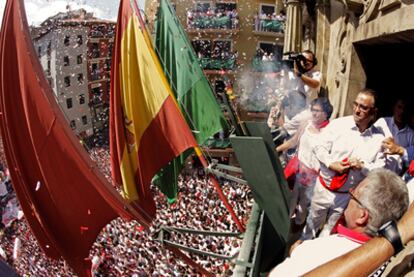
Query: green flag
[190,86]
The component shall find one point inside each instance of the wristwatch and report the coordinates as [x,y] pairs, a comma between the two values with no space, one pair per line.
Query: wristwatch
[390,231]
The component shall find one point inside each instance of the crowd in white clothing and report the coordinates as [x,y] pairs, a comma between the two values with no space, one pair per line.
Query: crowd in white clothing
[125,249]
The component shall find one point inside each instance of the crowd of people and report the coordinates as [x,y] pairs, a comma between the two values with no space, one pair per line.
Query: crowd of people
[125,249]
[221,18]
[338,162]
[269,22]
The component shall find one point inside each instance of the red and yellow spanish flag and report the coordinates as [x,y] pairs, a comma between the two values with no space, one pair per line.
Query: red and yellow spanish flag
[147,130]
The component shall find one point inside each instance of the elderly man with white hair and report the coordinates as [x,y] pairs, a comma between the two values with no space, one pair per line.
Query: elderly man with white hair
[380,198]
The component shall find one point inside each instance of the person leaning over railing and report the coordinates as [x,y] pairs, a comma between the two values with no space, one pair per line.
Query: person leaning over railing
[364,260]
[375,204]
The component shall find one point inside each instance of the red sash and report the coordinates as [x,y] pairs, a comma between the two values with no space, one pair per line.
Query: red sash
[337,181]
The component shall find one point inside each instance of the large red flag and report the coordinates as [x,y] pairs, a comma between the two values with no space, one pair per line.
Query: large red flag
[65,199]
[147,130]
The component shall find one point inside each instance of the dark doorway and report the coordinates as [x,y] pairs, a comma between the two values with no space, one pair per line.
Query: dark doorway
[388,63]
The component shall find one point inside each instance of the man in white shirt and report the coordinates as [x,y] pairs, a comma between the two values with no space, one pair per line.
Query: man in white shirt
[362,219]
[349,148]
[397,131]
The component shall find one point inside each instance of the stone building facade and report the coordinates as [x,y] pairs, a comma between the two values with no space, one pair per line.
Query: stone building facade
[361,44]
[255,26]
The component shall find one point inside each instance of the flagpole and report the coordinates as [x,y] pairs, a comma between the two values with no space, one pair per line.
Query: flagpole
[219,191]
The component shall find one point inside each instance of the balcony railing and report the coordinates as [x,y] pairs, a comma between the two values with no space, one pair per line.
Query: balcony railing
[269,25]
[217,64]
[212,22]
[261,65]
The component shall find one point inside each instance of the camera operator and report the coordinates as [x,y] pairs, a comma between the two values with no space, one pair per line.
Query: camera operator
[309,79]
[301,83]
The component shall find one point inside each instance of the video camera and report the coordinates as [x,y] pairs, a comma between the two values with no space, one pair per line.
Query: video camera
[290,58]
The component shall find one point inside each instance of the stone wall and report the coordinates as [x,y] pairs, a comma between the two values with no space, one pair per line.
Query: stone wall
[345,24]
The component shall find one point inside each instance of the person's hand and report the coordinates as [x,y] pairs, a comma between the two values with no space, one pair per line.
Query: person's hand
[296,70]
[296,244]
[279,133]
[356,163]
[340,167]
[392,148]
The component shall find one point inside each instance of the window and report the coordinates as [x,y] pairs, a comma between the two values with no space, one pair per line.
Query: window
[270,47]
[73,124]
[66,40]
[81,99]
[223,45]
[95,50]
[202,48]
[95,72]
[48,67]
[84,120]
[67,81]
[267,9]
[69,103]
[79,40]
[202,6]
[80,79]
[39,51]
[66,60]
[79,59]
[96,91]
[225,6]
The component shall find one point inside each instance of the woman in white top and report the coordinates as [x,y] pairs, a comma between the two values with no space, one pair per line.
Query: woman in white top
[308,168]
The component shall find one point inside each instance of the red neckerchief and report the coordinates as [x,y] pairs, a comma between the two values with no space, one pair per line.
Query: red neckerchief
[352,235]
[345,232]
[322,124]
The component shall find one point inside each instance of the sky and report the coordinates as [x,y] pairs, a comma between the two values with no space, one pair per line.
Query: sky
[39,10]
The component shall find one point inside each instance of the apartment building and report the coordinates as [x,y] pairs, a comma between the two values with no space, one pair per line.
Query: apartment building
[74,49]
[239,43]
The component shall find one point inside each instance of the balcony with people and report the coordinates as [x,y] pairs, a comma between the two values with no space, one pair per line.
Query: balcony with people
[224,61]
[102,31]
[215,55]
[269,23]
[223,17]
